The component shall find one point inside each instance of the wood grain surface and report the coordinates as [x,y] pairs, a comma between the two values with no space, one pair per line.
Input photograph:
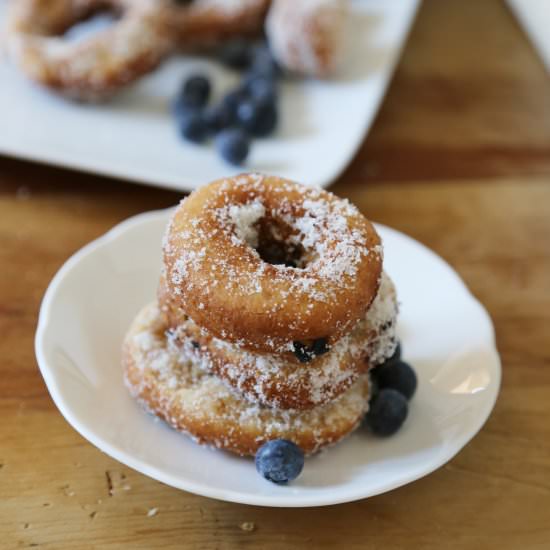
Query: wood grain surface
[459,158]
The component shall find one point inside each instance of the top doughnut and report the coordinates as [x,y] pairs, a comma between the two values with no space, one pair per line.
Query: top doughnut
[271,265]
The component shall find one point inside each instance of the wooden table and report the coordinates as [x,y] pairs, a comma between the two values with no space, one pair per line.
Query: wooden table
[459,158]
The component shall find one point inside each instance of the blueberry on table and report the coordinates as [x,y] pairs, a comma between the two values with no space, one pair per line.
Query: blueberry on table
[233,145]
[279,460]
[195,92]
[399,376]
[387,412]
[236,54]
[192,126]
[259,118]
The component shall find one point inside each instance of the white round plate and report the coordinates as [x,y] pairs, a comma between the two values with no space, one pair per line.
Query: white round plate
[446,333]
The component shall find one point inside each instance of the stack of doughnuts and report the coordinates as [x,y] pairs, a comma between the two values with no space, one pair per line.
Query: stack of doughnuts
[304,35]
[272,307]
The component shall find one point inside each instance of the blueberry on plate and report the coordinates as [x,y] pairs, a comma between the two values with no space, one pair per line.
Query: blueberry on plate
[399,376]
[279,460]
[259,118]
[233,145]
[387,412]
[180,108]
[260,88]
[195,92]
[263,62]
[234,98]
[236,54]
[219,117]
[396,355]
[192,126]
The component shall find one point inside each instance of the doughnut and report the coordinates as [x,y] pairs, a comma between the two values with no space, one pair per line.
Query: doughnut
[271,265]
[171,384]
[95,67]
[283,382]
[207,23]
[305,36]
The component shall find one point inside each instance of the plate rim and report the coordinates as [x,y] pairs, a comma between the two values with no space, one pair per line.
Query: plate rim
[124,457]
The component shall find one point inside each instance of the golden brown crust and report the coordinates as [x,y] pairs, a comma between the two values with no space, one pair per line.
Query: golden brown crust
[220,281]
[173,386]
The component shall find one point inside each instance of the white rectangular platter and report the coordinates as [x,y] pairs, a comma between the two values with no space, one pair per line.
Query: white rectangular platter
[133,137]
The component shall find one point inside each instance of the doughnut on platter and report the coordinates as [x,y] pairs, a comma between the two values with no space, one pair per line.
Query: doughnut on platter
[314,143]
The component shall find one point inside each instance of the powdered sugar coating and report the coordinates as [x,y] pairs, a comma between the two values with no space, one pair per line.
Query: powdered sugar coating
[244,217]
[280,380]
[172,383]
[209,260]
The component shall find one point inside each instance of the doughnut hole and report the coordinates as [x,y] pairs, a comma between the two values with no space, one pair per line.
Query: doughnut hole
[279,245]
[92,25]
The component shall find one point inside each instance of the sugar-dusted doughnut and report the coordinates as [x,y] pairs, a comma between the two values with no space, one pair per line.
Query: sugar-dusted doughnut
[281,380]
[95,67]
[305,36]
[172,385]
[206,23]
[270,264]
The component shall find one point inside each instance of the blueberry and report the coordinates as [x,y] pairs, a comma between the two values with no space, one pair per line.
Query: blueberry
[260,87]
[195,92]
[219,117]
[302,352]
[374,388]
[192,126]
[396,355]
[320,347]
[234,98]
[388,410]
[257,117]
[180,108]
[247,113]
[233,145]
[399,376]
[305,353]
[236,54]
[279,461]
[263,62]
